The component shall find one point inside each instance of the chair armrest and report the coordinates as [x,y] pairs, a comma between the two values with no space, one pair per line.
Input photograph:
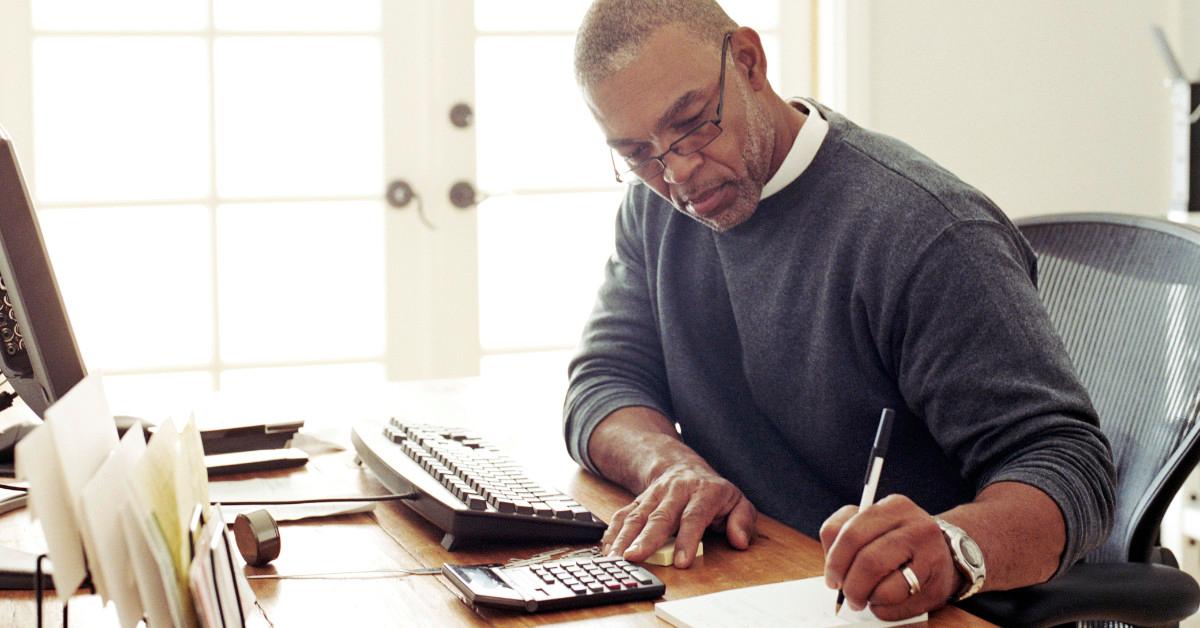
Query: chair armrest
[1134,593]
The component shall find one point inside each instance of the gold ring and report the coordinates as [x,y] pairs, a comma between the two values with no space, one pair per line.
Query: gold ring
[914,585]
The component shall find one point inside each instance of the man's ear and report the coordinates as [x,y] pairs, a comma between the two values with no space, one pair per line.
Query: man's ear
[749,57]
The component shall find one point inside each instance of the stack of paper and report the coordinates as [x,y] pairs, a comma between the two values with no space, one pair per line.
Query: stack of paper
[136,516]
[806,603]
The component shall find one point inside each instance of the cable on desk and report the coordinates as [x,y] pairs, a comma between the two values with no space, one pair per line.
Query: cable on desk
[319,500]
[351,575]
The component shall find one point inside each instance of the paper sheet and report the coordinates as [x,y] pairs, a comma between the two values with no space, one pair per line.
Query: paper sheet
[151,584]
[84,433]
[154,481]
[156,485]
[803,603]
[37,461]
[104,498]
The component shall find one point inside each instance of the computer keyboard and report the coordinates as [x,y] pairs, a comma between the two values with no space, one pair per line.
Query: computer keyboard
[468,488]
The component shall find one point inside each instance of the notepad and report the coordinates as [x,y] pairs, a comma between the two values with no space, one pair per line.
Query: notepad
[806,603]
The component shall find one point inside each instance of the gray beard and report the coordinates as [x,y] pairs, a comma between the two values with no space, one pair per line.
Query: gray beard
[756,154]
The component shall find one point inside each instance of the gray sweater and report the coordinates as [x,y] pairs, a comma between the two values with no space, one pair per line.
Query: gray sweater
[876,279]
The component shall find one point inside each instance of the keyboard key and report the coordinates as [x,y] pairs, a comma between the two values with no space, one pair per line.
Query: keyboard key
[475,502]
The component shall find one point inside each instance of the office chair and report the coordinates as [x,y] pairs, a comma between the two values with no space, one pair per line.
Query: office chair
[1124,294]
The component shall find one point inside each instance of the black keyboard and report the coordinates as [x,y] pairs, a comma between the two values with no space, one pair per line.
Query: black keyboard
[469,488]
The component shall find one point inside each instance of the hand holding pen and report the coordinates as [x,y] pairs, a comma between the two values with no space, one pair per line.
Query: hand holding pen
[874,469]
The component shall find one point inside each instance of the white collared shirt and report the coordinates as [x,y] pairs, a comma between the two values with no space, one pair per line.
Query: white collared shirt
[803,150]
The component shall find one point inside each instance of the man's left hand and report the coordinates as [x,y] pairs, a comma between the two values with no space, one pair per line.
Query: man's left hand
[865,551]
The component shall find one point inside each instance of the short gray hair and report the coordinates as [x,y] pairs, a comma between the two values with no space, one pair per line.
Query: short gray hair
[613,31]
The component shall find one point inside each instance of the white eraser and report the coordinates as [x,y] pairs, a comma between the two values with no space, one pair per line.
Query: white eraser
[665,556]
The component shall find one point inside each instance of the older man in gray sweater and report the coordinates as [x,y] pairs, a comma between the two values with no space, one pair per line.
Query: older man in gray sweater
[780,276]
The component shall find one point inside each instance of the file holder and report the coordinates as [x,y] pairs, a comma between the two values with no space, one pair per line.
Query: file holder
[195,526]
[39,587]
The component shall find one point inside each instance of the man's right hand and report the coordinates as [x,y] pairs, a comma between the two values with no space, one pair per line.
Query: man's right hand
[687,498]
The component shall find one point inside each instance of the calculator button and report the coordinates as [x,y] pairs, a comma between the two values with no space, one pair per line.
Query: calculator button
[613,585]
[570,581]
[595,587]
[641,577]
[548,579]
[630,584]
[578,589]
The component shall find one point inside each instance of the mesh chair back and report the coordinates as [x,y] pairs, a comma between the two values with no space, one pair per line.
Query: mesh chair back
[1124,294]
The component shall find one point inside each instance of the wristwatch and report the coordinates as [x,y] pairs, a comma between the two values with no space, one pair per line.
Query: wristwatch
[968,558]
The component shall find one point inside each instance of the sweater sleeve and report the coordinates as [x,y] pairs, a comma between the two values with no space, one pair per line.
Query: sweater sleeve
[979,359]
[619,362]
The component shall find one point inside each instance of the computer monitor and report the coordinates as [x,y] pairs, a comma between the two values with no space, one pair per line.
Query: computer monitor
[38,354]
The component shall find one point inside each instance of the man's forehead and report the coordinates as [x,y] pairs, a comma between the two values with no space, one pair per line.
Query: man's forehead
[671,64]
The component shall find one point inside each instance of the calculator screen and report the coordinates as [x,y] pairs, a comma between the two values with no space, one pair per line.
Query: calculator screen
[481,579]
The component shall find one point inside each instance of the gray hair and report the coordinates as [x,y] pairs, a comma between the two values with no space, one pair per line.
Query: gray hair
[614,31]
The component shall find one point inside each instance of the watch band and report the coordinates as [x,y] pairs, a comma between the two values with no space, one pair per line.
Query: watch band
[967,556]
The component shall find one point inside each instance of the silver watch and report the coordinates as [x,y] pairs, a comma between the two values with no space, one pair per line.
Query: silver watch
[968,558]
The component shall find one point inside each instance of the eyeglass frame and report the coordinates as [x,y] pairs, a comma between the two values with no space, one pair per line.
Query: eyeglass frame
[673,147]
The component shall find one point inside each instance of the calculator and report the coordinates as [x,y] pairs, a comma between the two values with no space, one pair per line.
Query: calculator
[554,585]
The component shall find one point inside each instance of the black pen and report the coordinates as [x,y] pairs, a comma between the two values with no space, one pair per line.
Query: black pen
[871,481]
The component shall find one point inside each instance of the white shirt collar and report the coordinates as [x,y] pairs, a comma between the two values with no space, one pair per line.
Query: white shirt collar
[803,150]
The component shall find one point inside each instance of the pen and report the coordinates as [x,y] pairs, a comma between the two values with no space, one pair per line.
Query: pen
[871,481]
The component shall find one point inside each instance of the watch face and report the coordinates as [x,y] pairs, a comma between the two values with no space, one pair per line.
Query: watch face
[971,552]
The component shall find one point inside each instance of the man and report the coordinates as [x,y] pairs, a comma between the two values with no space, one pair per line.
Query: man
[780,276]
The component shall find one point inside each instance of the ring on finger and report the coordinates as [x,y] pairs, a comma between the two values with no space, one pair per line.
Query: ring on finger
[914,585]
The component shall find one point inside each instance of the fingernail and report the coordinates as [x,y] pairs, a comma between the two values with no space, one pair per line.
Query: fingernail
[633,549]
[680,556]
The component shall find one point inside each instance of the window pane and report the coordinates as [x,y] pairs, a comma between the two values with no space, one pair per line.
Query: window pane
[529,15]
[308,383]
[294,15]
[158,396]
[541,418]
[771,49]
[120,118]
[298,116]
[534,130]
[135,15]
[537,15]
[136,281]
[301,281]
[757,14]
[541,260]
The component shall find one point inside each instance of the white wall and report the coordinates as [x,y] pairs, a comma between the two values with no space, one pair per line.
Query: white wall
[1045,105]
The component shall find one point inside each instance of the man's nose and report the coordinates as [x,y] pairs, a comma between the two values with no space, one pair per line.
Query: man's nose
[679,168]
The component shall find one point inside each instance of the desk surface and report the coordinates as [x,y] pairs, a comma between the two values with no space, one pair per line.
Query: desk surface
[392,536]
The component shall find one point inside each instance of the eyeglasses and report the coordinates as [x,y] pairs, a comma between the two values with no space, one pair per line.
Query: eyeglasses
[688,144]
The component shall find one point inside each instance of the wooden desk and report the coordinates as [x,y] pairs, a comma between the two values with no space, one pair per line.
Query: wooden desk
[393,536]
